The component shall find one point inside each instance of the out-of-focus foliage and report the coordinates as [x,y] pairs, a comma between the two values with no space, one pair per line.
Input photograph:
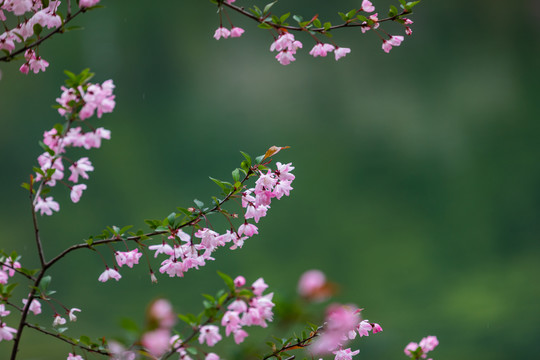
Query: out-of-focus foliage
[417,171]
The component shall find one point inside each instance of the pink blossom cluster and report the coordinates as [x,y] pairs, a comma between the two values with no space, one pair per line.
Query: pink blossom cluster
[286,45]
[427,344]
[96,98]
[34,13]
[323,49]
[342,324]
[273,184]
[185,253]
[222,32]
[7,271]
[241,313]
[394,41]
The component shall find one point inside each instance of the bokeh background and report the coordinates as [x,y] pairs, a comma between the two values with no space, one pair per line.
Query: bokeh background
[417,171]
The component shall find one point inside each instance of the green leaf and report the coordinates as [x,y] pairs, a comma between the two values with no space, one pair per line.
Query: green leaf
[317,23]
[209,297]
[351,14]
[199,203]
[393,11]
[245,155]
[236,175]
[44,283]
[327,25]
[264,25]
[411,4]
[343,16]
[37,29]
[281,19]
[227,279]
[171,218]
[268,7]
[89,241]
[85,340]
[161,228]
[297,18]
[256,11]
[258,159]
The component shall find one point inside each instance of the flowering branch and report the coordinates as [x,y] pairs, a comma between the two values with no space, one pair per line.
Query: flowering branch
[71,342]
[299,344]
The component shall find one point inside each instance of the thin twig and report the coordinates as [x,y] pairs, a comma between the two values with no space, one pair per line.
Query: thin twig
[60,337]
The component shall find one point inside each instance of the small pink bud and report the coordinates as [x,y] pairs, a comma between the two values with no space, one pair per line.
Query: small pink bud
[239,281]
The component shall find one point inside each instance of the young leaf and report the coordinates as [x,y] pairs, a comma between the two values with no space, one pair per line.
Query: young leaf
[227,279]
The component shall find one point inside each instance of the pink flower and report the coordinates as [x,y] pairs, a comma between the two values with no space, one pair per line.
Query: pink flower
[408,30]
[157,342]
[74,357]
[239,281]
[428,343]
[376,328]
[212,356]
[71,314]
[312,285]
[163,248]
[287,46]
[87,3]
[341,52]
[321,49]
[46,206]
[80,167]
[161,310]
[58,320]
[285,57]
[247,229]
[346,354]
[128,258]
[222,32]
[236,32]
[24,68]
[109,274]
[364,328]
[395,40]
[412,346]
[3,311]
[239,336]
[38,64]
[259,286]
[10,266]
[35,306]
[367,6]
[6,332]
[210,335]
[76,192]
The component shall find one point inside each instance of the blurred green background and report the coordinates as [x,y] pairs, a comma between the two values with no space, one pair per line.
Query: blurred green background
[417,171]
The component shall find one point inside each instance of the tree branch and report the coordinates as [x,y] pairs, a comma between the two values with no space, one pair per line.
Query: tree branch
[60,337]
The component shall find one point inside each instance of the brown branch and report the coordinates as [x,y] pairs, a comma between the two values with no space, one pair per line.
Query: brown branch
[36,232]
[300,344]
[242,11]
[116,239]
[60,337]
[59,29]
